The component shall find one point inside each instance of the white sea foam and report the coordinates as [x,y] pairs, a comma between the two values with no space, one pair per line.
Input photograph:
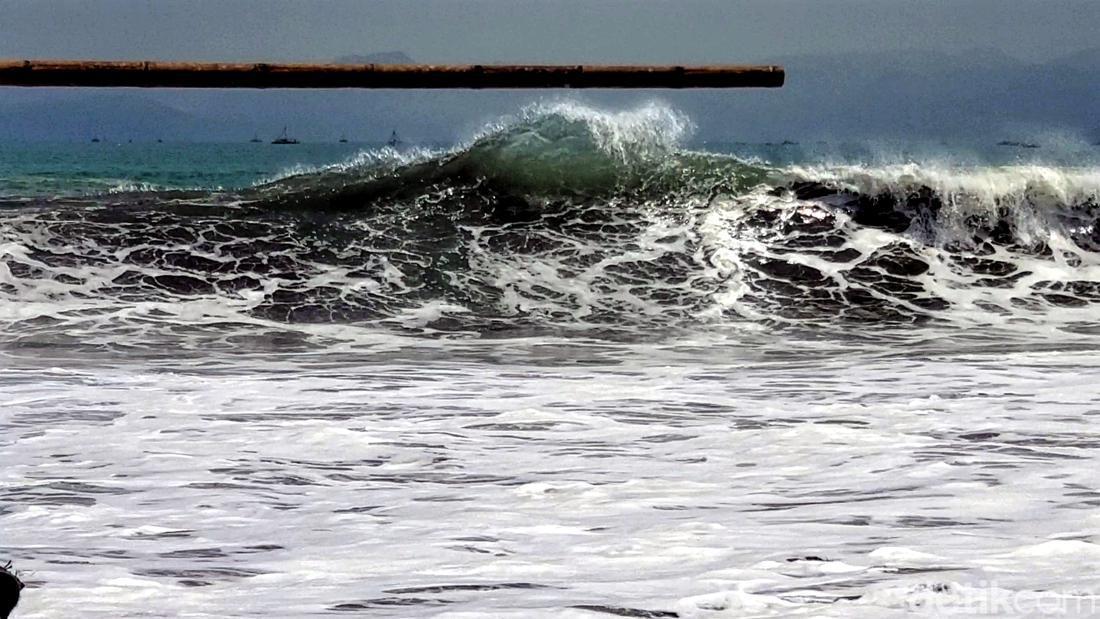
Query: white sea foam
[649,131]
[645,399]
[1029,193]
[487,479]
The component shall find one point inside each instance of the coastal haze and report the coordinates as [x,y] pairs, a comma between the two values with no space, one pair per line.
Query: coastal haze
[856,70]
[830,350]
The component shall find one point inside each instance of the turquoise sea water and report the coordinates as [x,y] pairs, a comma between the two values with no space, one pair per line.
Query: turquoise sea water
[75,168]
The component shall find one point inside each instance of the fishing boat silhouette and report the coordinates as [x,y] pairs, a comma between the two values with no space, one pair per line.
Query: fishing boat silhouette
[283,139]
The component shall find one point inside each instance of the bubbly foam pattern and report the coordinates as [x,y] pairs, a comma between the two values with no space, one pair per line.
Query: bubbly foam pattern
[566,219]
[710,478]
[699,388]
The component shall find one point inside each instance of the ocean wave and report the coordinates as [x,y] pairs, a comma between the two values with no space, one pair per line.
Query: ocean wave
[570,219]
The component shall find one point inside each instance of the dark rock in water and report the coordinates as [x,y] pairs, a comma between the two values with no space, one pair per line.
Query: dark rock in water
[10,588]
[1016,144]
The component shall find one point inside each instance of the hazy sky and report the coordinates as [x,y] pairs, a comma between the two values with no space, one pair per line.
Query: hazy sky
[546,30]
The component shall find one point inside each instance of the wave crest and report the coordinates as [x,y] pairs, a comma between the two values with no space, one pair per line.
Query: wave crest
[569,218]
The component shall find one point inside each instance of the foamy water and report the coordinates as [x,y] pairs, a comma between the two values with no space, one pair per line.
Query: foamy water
[536,478]
[568,369]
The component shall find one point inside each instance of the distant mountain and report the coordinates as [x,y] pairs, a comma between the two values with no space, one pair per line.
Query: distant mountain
[1088,59]
[395,57]
[982,94]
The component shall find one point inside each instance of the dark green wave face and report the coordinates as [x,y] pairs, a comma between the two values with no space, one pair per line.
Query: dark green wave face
[566,220]
[548,152]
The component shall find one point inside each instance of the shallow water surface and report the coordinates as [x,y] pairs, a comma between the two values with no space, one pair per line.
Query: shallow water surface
[692,478]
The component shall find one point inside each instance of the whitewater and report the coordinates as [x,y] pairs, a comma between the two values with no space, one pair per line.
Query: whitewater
[577,366]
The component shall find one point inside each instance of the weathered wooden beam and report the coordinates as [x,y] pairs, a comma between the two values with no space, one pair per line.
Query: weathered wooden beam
[99,73]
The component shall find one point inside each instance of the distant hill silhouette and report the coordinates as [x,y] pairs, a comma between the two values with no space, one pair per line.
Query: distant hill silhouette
[981,94]
[1084,60]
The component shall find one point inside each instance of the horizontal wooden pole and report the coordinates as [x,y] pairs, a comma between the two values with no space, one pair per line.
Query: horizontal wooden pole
[96,73]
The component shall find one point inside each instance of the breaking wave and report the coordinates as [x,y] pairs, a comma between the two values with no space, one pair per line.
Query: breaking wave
[564,219]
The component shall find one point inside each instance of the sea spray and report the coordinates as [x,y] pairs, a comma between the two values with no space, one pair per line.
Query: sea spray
[565,218]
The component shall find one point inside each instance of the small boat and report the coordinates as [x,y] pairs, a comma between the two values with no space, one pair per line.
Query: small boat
[255,138]
[283,139]
[95,140]
[394,141]
[343,139]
